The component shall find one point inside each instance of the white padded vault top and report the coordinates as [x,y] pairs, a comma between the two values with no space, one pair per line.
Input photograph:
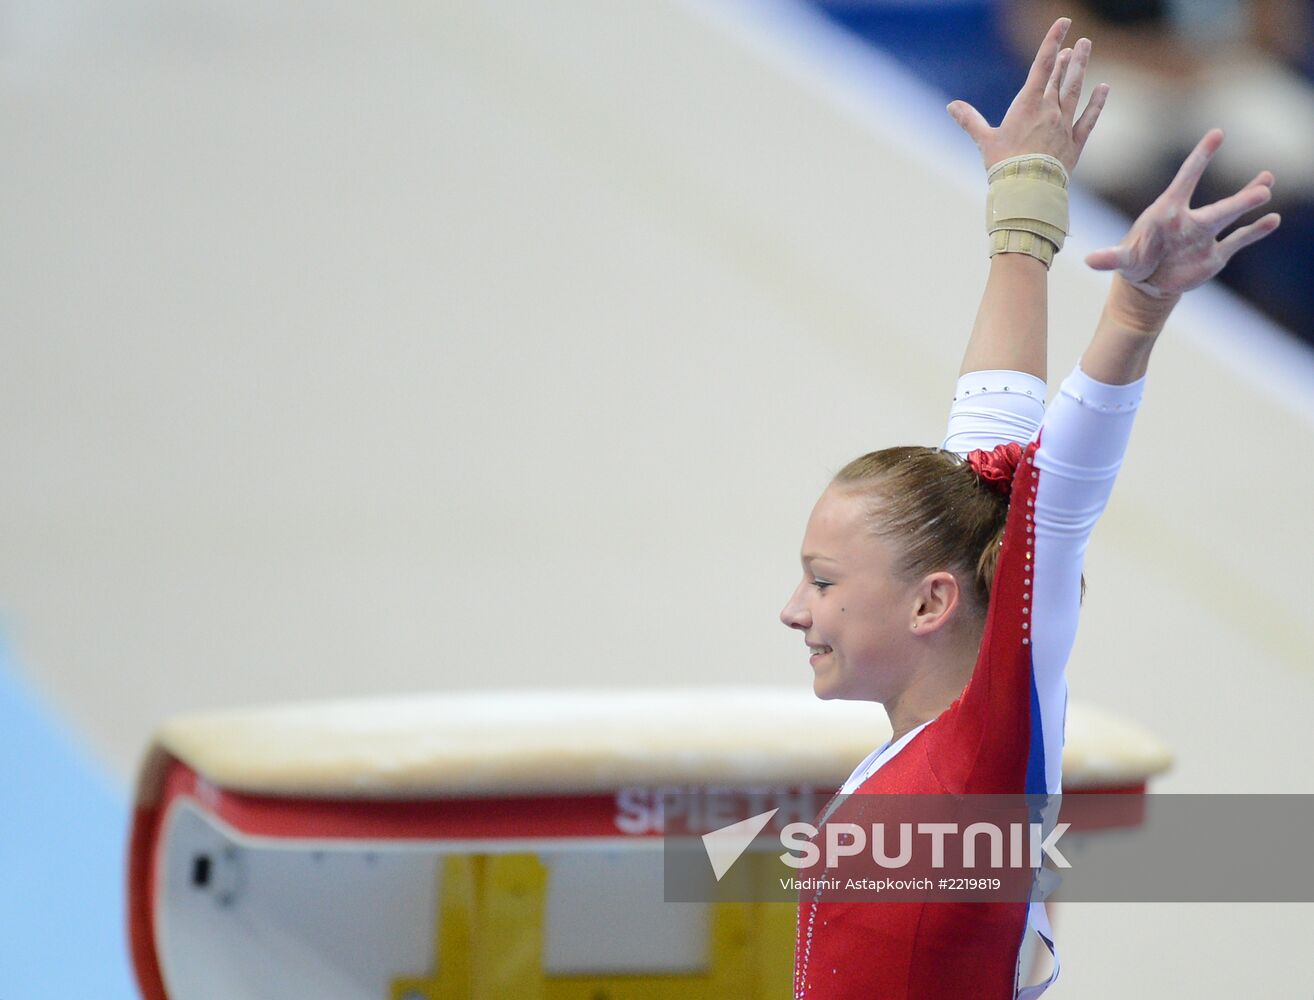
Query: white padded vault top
[504,742]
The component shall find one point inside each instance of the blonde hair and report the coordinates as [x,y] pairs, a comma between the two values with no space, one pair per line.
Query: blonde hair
[937,510]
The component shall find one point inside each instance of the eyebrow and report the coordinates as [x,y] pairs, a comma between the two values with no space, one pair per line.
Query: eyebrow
[817,556]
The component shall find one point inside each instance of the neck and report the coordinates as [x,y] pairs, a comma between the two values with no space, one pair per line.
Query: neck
[935,685]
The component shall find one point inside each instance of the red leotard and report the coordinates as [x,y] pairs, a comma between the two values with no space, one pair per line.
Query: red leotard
[1004,734]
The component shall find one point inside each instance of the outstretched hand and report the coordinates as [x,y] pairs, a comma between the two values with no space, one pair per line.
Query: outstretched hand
[1040,119]
[1172,247]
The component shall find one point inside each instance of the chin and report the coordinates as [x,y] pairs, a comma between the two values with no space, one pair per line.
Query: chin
[824,691]
[832,692]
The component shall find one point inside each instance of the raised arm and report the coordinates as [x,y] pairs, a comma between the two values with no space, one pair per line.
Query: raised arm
[1170,249]
[1011,328]
[1011,324]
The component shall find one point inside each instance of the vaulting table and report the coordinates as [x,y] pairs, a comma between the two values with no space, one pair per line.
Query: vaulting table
[483,845]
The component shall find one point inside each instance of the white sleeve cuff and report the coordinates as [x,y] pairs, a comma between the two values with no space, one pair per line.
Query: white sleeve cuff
[993,407]
[1101,396]
[983,383]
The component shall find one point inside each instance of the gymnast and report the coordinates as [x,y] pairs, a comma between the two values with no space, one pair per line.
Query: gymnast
[945,582]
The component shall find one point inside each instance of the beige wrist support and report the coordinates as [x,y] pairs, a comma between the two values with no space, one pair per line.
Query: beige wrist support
[1027,206]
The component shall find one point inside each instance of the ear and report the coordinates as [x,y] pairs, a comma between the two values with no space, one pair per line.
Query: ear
[934,602]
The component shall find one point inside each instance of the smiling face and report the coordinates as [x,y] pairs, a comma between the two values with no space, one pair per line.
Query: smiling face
[852,602]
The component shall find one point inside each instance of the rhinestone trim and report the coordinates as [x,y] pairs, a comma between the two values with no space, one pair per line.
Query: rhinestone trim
[1126,407]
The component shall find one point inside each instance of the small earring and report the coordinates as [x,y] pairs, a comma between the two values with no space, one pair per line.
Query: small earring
[914,624]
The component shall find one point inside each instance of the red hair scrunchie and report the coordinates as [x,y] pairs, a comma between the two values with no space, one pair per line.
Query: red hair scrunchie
[997,467]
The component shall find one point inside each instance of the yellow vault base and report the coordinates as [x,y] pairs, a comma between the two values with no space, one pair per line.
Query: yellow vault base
[490,944]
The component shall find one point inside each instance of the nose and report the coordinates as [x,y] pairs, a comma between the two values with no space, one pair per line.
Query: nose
[794,614]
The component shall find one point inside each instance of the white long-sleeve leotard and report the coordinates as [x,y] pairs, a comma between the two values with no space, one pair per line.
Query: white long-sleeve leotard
[1083,437]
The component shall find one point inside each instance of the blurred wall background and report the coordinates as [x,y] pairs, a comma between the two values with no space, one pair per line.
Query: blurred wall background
[1176,68]
[358,350]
